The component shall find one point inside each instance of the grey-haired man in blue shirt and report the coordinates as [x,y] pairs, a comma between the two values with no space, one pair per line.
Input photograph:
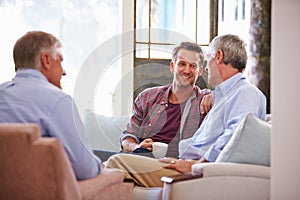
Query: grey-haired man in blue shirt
[34,96]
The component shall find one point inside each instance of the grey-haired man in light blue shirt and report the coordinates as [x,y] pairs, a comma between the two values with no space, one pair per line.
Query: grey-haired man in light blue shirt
[34,96]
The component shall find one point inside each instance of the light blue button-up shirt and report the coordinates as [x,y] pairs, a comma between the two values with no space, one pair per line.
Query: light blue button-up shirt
[233,99]
[30,98]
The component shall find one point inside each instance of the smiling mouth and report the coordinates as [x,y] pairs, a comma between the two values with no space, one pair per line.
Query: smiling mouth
[186,77]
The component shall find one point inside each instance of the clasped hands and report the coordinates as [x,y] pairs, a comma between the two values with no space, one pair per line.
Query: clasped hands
[146,143]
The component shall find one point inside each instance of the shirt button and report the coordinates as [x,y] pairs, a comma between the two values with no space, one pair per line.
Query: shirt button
[158,111]
[150,124]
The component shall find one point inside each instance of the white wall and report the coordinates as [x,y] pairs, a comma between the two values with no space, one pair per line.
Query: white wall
[285,100]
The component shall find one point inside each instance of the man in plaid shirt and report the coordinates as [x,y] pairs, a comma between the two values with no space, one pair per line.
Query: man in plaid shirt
[172,112]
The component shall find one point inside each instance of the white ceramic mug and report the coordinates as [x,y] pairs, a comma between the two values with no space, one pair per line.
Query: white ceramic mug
[159,149]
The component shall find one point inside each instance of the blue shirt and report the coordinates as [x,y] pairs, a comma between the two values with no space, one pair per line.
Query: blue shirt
[30,98]
[233,99]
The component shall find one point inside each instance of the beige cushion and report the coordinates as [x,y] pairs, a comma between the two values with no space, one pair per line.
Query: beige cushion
[154,193]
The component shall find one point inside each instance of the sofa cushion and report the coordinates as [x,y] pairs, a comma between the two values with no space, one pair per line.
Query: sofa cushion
[250,143]
[147,193]
[103,132]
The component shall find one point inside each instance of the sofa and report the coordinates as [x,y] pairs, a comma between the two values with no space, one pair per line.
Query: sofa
[35,167]
[103,132]
[242,170]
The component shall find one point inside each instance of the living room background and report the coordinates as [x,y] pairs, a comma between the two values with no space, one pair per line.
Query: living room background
[83,26]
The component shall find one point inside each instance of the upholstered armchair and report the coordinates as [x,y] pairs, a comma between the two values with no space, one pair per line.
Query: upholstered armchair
[34,167]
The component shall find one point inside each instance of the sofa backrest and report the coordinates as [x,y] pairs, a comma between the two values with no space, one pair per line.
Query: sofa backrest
[34,167]
[103,132]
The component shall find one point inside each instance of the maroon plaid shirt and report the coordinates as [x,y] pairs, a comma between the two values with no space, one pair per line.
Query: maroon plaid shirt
[149,113]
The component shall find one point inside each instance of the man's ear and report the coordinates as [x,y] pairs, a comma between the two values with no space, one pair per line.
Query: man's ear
[45,60]
[219,56]
[172,66]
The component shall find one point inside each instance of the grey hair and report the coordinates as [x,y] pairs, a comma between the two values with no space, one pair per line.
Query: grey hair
[233,48]
[28,48]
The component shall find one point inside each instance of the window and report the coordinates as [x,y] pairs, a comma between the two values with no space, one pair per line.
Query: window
[234,17]
[81,26]
[91,28]
[160,25]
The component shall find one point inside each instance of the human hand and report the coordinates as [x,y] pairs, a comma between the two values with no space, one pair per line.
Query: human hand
[177,164]
[167,160]
[147,143]
[206,103]
[129,144]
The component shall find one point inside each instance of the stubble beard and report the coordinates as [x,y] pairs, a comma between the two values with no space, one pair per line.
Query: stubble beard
[184,83]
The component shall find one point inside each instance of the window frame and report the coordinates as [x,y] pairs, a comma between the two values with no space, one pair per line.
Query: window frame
[213,28]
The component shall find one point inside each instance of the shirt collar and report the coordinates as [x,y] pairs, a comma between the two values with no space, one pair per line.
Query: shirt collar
[30,73]
[167,93]
[224,88]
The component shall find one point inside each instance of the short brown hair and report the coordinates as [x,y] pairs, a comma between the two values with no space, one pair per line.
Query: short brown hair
[189,46]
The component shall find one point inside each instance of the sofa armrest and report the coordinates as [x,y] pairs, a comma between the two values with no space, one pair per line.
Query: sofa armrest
[230,180]
[231,169]
[220,169]
[181,177]
[92,187]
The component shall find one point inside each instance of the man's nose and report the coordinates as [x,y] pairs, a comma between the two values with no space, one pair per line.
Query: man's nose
[188,67]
